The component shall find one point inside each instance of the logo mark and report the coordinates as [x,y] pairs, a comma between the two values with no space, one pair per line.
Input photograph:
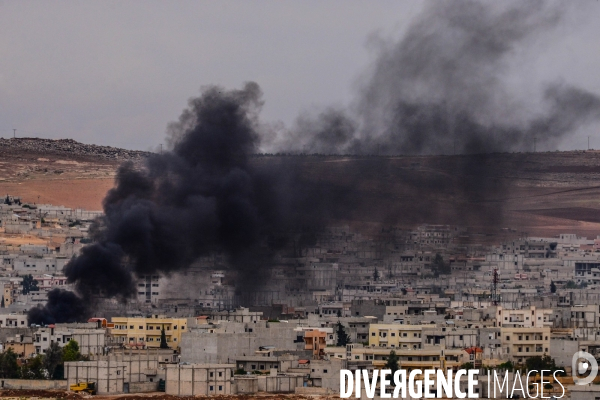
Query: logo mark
[581,363]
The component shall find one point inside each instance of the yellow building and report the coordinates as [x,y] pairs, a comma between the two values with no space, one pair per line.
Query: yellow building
[396,336]
[432,357]
[522,343]
[147,331]
[10,293]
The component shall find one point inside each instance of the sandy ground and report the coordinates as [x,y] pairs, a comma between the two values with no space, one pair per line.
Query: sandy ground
[59,394]
[74,193]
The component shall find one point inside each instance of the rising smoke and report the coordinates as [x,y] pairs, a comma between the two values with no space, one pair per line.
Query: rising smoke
[202,197]
[443,88]
[440,87]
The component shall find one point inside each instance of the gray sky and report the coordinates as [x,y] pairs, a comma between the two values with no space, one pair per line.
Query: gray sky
[116,72]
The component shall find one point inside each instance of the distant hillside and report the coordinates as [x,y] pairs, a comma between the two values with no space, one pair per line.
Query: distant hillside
[536,193]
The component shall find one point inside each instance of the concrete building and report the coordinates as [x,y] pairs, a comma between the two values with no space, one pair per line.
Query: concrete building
[147,331]
[240,314]
[108,376]
[199,379]
[13,320]
[21,344]
[315,340]
[90,341]
[396,336]
[521,343]
[523,318]
[224,341]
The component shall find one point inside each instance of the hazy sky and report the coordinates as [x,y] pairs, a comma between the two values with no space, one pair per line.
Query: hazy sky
[116,72]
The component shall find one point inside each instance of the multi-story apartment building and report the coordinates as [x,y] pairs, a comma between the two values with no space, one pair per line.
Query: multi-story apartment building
[520,343]
[147,331]
[13,320]
[432,357]
[523,318]
[90,341]
[396,336]
[149,288]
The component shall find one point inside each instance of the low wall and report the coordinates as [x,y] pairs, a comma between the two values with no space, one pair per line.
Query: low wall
[33,384]
[279,383]
[143,387]
[313,391]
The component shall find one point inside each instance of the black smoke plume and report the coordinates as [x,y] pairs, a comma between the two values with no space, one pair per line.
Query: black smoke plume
[62,306]
[441,88]
[202,197]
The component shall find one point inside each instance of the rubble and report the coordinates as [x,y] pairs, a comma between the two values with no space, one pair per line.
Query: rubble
[67,147]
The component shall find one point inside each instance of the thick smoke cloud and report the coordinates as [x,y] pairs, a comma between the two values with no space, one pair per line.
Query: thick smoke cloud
[202,197]
[63,306]
[443,88]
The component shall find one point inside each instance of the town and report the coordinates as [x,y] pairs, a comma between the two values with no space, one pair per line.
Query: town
[432,297]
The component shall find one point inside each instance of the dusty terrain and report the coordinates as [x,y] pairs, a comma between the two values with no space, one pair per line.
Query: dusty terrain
[539,193]
[60,172]
[59,394]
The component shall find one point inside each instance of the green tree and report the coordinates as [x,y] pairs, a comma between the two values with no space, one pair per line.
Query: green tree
[8,364]
[342,337]
[552,287]
[392,362]
[34,368]
[507,366]
[53,359]
[571,285]
[539,363]
[163,339]
[439,267]
[71,352]
[29,284]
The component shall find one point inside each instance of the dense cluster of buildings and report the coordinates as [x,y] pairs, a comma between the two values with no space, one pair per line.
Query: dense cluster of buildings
[436,296]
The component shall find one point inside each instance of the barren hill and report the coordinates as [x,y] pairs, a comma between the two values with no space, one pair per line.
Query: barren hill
[537,193]
[62,172]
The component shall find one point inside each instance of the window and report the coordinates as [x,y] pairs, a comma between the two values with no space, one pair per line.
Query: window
[130,326]
[372,333]
[220,388]
[220,374]
[212,374]
[141,327]
[324,371]
[211,388]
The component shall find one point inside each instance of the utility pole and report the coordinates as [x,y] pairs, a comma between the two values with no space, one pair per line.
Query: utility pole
[14,133]
[588,142]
